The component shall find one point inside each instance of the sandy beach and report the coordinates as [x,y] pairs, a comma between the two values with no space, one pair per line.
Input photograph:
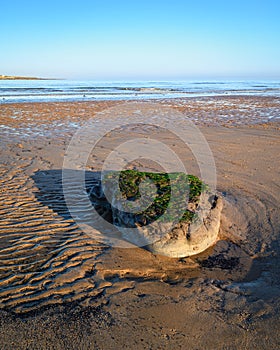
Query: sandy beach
[61,289]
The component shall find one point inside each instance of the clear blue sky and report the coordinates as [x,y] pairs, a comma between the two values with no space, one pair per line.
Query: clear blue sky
[140,39]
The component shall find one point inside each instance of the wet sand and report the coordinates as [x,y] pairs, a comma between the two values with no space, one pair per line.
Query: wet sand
[61,289]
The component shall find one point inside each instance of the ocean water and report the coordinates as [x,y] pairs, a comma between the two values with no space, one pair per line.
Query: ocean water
[73,90]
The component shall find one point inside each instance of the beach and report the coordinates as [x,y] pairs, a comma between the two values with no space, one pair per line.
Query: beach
[62,289]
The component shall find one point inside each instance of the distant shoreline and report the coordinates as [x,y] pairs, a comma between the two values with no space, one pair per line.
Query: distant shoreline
[12,77]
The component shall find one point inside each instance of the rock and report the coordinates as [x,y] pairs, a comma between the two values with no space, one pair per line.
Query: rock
[127,205]
[199,237]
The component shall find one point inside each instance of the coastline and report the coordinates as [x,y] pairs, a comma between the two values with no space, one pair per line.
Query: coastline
[90,90]
[70,292]
[14,77]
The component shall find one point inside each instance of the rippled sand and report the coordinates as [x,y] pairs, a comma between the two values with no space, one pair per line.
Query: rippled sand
[70,291]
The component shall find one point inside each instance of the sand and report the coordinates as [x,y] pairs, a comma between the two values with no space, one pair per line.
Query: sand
[61,289]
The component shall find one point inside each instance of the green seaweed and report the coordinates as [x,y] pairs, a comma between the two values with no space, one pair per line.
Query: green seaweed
[129,181]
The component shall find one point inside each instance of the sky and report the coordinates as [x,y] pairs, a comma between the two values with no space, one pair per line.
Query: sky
[140,39]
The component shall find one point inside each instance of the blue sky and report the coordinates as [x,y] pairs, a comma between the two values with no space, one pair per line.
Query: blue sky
[155,39]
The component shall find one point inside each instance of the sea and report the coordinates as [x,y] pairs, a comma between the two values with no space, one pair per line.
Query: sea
[14,91]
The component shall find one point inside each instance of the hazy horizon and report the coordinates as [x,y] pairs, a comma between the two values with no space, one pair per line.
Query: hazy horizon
[124,40]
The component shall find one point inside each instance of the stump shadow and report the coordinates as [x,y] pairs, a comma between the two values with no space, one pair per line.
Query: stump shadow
[49,185]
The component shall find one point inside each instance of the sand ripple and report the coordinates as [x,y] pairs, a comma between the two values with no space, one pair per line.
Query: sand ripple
[46,259]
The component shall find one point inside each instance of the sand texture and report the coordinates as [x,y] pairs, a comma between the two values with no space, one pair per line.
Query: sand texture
[63,289]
